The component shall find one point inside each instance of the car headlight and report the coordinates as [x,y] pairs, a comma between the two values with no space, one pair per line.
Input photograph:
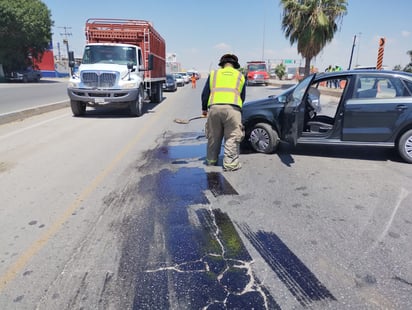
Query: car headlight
[73,84]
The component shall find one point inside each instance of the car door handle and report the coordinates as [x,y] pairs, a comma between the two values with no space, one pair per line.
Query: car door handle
[401,107]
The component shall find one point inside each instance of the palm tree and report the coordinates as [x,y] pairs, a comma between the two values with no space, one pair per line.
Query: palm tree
[311,24]
[408,67]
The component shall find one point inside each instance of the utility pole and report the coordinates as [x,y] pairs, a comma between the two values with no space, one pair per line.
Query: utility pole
[351,54]
[65,34]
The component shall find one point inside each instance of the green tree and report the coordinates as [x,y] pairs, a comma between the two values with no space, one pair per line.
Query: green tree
[25,32]
[280,71]
[408,67]
[311,24]
[397,68]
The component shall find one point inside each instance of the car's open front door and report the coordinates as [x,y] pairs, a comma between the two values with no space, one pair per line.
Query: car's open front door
[294,111]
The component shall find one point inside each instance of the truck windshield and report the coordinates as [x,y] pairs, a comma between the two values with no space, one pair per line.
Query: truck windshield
[120,55]
[257,67]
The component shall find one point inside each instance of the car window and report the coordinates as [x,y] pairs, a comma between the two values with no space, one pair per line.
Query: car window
[330,96]
[408,88]
[300,90]
[386,89]
[370,86]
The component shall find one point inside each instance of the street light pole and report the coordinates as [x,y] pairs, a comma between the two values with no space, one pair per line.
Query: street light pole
[351,54]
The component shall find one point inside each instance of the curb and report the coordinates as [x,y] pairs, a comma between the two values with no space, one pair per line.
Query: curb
[22,114]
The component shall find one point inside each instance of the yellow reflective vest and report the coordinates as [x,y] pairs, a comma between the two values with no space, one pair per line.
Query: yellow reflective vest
[225,86]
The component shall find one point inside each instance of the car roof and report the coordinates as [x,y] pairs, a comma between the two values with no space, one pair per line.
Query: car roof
[363,72]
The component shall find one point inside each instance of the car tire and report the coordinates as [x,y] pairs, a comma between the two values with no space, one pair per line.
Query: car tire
[405,146]
[78,107]
[136,106]
[263,138]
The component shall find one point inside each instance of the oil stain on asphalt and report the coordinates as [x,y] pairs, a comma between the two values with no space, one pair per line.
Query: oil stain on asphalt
[204,264]
[191,256]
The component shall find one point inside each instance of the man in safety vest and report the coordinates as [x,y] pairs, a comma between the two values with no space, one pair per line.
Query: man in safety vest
[222,99]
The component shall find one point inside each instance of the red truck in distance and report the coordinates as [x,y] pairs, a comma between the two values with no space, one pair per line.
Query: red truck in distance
[257,73]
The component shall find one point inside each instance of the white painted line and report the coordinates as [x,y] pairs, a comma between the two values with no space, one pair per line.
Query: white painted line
[13,133]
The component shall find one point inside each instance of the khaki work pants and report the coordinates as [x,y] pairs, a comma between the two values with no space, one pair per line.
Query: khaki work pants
[224,121]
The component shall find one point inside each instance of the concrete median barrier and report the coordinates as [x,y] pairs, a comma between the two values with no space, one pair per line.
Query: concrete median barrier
[22,114]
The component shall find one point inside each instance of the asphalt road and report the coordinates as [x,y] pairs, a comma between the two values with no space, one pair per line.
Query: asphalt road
[108,211]
[20,100]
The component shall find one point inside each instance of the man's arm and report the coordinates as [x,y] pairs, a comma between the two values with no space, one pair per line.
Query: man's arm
[205,94]
[243,93]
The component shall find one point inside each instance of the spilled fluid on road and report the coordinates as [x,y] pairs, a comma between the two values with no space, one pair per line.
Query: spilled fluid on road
[204,264]
[191,255]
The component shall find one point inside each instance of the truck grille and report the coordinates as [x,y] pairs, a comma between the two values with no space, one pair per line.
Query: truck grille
[98,80]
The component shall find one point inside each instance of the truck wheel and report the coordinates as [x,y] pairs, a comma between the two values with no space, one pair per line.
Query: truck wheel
[405,146]
[157,96]
[78,107]
[136,107]
[263,138]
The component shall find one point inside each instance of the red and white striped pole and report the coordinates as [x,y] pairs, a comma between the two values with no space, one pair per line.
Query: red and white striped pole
[380,53]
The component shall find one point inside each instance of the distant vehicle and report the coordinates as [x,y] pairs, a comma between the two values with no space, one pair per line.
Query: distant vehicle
[257,73]
[295,72]
[179,79]
[123,64]
[185,76]
[24,76]
[369,67]
[170,84]
[372,108]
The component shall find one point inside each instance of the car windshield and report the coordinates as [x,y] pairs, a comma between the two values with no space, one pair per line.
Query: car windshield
[300,90]
[109,54]
[257,67]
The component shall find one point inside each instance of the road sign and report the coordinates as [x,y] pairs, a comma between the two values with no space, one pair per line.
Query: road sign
[380,53]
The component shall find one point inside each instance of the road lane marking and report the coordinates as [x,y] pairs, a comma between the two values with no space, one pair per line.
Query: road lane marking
[402,195]
[13,133]
[23,259]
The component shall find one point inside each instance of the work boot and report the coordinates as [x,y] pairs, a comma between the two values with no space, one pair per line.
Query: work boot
[232,168]
[211,162]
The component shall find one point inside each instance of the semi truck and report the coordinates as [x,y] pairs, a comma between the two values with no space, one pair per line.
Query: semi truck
[123,65]
[257,73]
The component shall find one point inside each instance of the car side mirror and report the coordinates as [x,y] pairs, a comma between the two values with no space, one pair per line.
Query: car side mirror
[150,62]
[71,59]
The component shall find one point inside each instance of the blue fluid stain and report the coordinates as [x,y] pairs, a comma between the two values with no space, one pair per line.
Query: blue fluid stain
[193,262]
[295,275]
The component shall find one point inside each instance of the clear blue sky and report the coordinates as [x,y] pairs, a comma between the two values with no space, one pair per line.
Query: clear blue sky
[199,32]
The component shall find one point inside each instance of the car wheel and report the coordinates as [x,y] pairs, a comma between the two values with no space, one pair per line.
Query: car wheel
[405,146]
[263,138]
[78,107]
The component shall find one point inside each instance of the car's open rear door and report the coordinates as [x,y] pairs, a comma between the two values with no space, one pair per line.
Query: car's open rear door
[294,111]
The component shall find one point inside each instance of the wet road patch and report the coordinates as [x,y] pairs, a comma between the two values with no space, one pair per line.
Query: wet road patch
[180,253]
[200,261]
[294,274]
